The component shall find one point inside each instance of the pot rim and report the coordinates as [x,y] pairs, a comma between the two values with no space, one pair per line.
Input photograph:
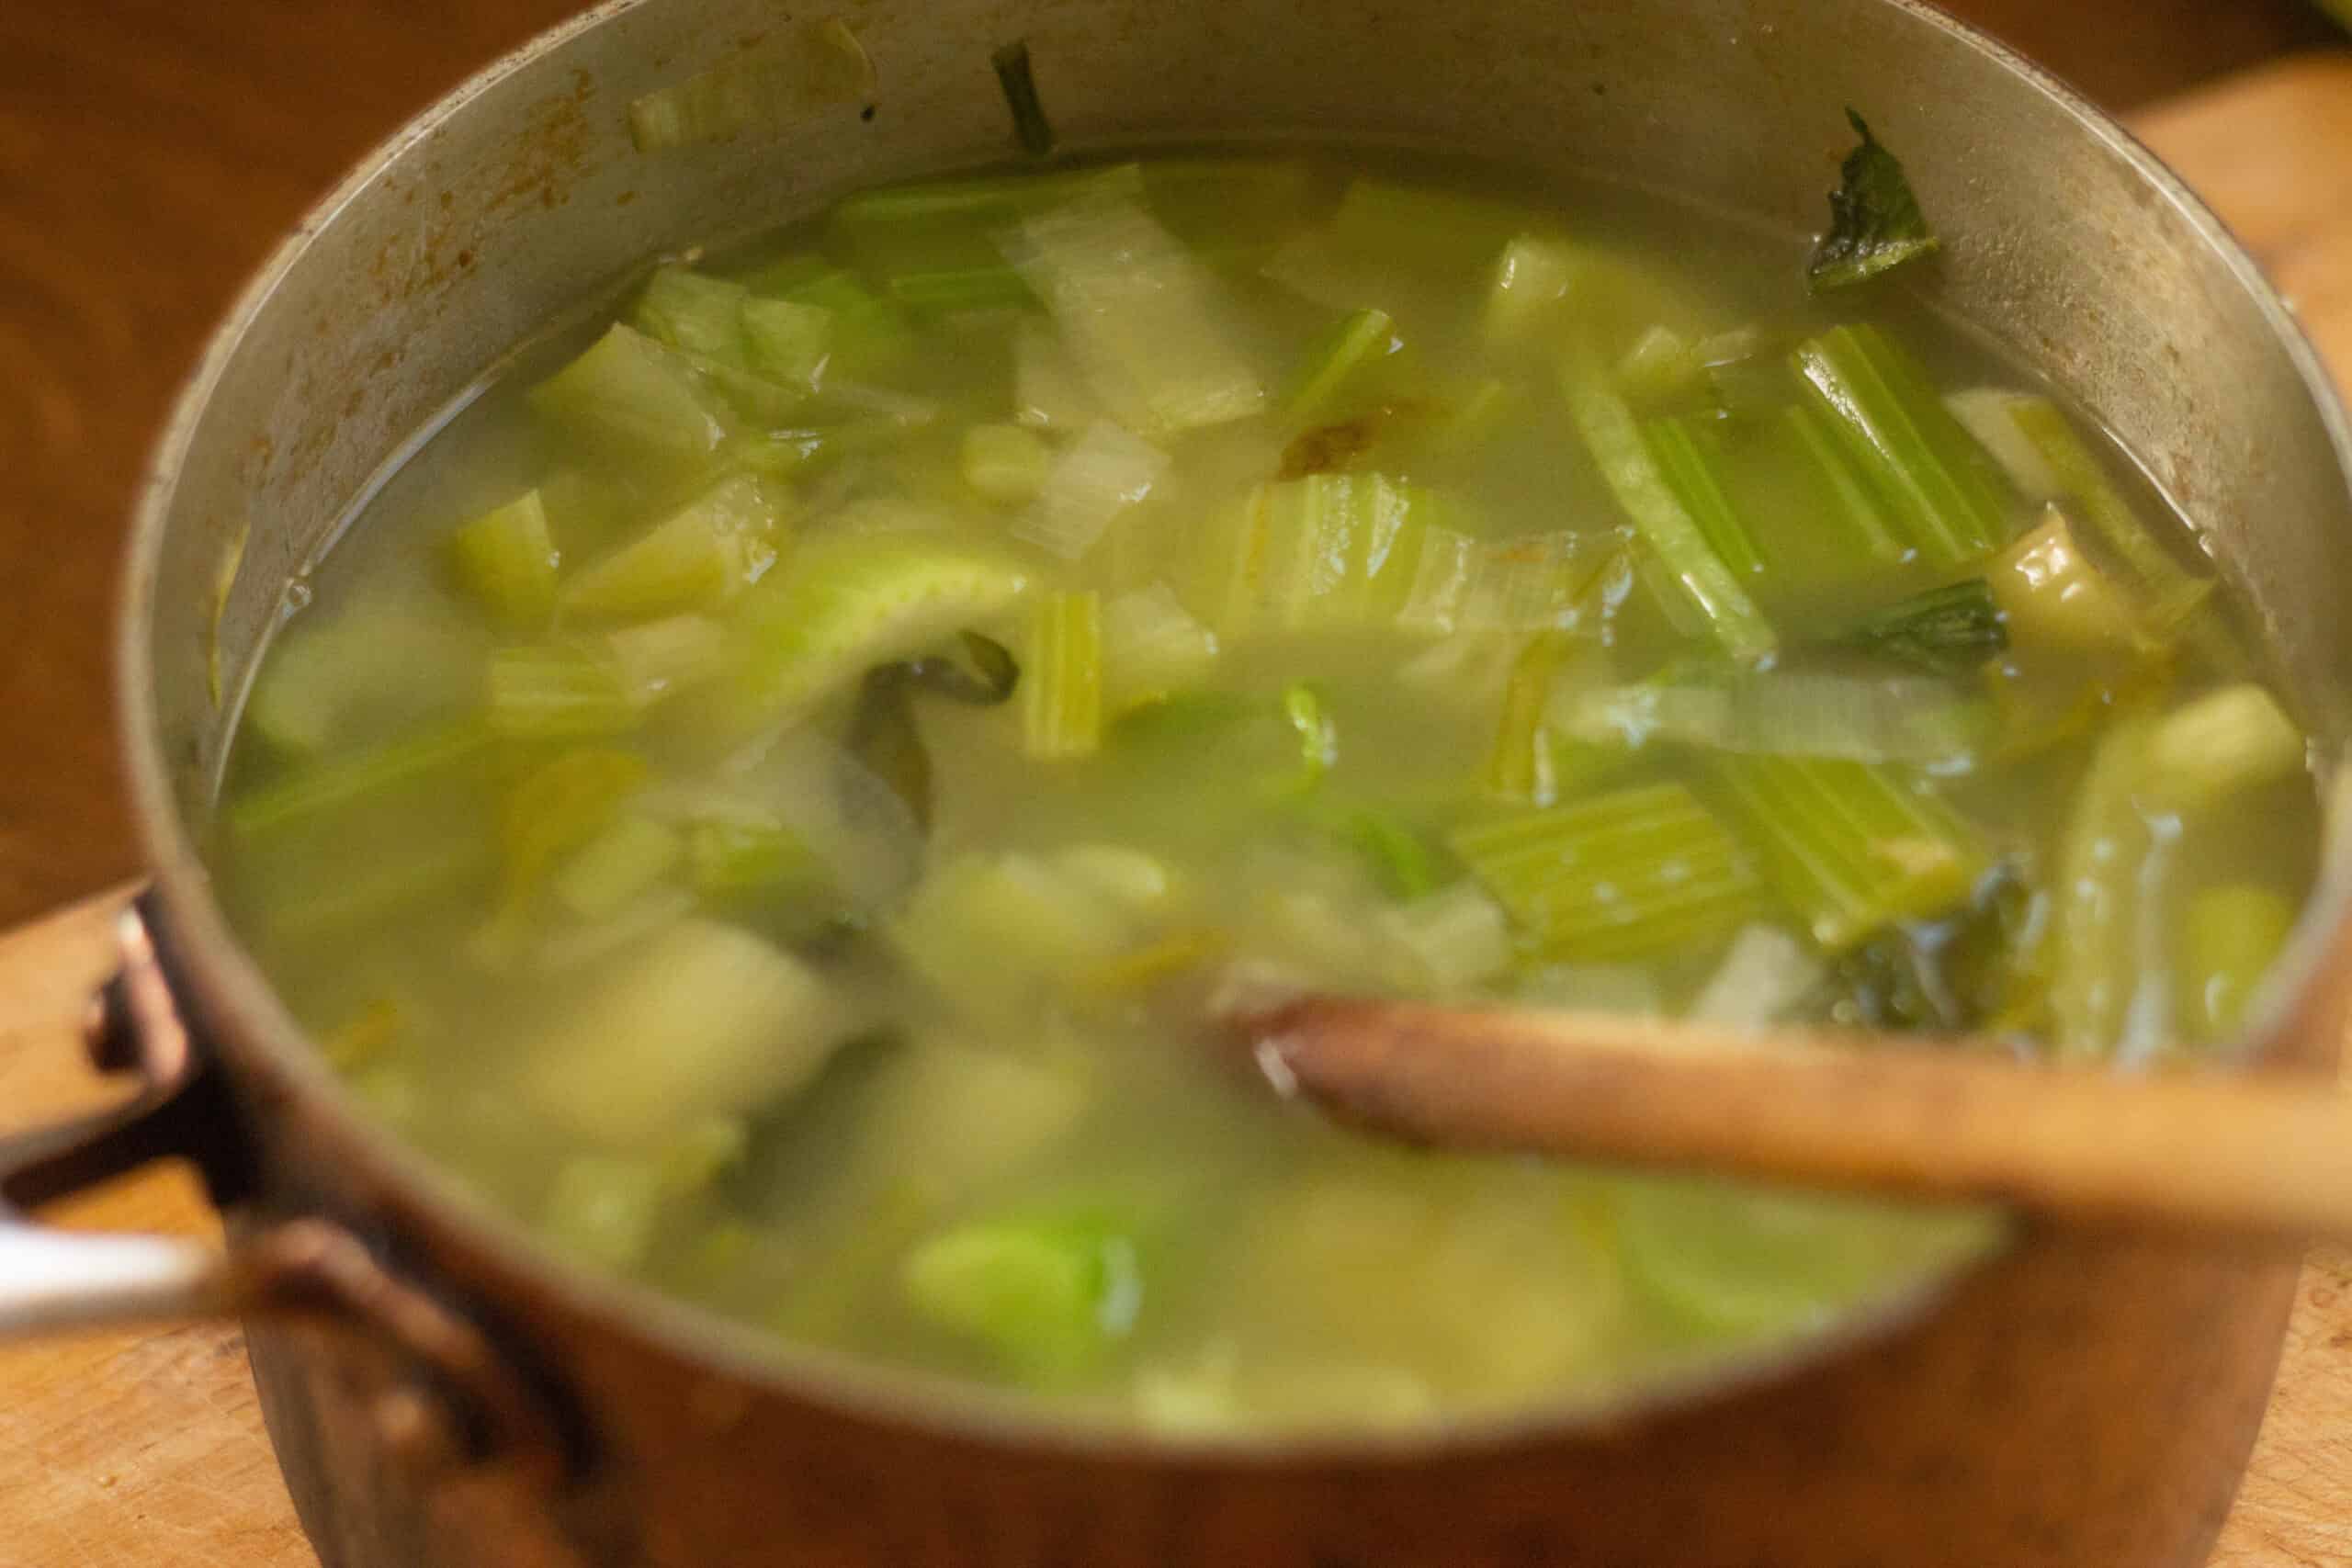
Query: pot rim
[237,997]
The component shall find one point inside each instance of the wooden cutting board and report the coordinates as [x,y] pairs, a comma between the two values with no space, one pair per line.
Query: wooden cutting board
[146,1450]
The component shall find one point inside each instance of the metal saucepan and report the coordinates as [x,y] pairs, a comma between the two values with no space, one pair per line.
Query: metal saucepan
[443,1392]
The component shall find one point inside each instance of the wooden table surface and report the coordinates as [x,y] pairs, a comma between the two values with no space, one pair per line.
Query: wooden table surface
[150,153]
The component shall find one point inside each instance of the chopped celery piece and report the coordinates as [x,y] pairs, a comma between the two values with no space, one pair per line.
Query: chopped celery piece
[2230,935]
[1687,474]
[1726,368]
[1045,1297]
[1151,647]
[329,786]
[2220,744]
[1945,490]
[1944,631]
[1767,973]
[616,867]
[558,693]
[702,1019]
[1140,315]
[697,313]
[1049,391]
[1852,848]
[633,393]
[2053,598]
[1248,750]
[1984,412]
[1662,364]
[702,555]
[1441,233]
[1863,719]
[1355,341]
[1706,583]
[1328,550]
[1629,875]
[587,511]
[1102,474]
[1533,278]
[1005,463]
[1849,502]
[506,559]
[787,340]
[843,604]
[733,855]
[1519,765]
[1445,579]
[1535,582]
[1778,504]
[1062,685]
[656,659]
[1451,939]
[2172,591]
[604,1210]
[866,334]
[2106,882]
[934,244]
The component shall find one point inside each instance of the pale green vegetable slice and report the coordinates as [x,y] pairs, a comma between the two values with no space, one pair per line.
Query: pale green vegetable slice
[843,604]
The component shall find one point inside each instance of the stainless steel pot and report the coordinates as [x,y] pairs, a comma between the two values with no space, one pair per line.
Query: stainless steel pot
[2080,1400]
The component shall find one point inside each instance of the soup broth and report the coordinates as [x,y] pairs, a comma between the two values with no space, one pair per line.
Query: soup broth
[771,792]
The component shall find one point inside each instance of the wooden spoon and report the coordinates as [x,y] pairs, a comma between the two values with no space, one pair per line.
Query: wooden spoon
[2251,1155]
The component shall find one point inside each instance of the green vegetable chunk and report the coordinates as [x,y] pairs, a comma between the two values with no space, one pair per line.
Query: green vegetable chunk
[1945,491]
[1062,697]
[1048,1299]
[1627,874]
[1852,848]
[633,392]
[1676,542]
[506,559]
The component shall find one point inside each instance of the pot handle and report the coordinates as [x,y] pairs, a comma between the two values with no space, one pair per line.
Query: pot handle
[449,1391]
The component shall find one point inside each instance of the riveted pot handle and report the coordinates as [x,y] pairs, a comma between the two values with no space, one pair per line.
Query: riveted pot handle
[304,1270]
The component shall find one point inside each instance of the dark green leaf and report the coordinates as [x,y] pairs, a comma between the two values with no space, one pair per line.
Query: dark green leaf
[1874,220]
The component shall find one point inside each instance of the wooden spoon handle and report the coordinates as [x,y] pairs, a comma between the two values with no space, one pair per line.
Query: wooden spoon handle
[2247,1155]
